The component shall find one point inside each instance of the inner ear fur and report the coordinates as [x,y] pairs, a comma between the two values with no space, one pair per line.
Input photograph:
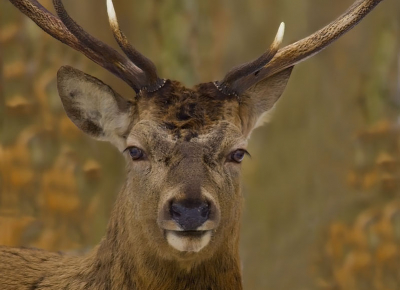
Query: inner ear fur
[94,107]
[258,101]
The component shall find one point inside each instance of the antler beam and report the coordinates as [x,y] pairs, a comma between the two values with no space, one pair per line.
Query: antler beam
[65,29]
[302,49]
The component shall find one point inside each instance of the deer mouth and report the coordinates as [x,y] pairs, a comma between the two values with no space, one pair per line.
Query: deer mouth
[188,241]
[190,234]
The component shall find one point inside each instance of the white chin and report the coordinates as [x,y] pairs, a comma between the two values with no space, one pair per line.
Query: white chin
[188,243]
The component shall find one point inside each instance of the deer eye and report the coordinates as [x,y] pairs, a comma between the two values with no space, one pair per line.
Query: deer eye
[135,153]
[237,155]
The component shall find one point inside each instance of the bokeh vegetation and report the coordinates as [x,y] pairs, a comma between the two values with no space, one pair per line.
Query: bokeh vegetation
[323,187]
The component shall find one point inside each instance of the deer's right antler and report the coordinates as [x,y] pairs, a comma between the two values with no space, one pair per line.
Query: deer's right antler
[137,70]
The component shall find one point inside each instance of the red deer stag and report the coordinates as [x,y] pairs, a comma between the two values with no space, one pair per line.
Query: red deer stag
[175,224]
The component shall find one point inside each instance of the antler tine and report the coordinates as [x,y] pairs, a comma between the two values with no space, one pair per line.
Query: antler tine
[134,55]
[307,47]
[131,73]
[253,66]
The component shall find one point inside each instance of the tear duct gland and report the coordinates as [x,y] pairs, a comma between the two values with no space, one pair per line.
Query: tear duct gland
[175,224]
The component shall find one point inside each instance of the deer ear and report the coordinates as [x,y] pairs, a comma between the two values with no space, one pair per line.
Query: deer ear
[93,106]
[257,103]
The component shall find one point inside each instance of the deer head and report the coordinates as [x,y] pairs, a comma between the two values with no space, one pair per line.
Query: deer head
[183,146]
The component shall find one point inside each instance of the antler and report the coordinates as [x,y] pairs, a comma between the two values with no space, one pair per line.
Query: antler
[253,66]
[296,52]
[138,71]
[135,56]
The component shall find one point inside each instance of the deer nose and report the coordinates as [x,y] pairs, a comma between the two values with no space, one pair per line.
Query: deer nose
[190,214]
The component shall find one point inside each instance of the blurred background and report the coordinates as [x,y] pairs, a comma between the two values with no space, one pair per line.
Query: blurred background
[322,191]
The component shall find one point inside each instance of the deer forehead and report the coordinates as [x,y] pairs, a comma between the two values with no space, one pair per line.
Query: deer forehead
[161,140]
[193,111]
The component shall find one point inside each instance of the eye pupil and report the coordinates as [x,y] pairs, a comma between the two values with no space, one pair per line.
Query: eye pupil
[238,155]
[135,153]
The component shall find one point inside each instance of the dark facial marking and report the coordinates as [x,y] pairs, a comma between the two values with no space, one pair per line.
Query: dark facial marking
[74,93]
[190,135]
[170,126]
[184,111]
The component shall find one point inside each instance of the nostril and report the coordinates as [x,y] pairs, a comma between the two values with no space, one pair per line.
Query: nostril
[205,210]
[189,214]
[175,211]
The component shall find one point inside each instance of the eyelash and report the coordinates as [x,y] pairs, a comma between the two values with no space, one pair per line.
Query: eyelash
[140,154]
[231,156]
